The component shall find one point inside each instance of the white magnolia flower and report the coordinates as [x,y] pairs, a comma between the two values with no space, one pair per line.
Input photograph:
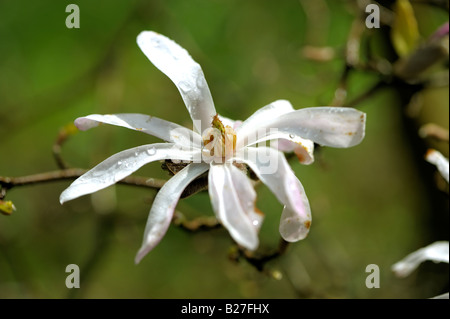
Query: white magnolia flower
[219,146]
[437,251]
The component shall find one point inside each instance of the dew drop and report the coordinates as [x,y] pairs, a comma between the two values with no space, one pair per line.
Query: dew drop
[201,82]
[119,163]
[292,136]
[255,222]
[184,86]
[155,42]
[151,151]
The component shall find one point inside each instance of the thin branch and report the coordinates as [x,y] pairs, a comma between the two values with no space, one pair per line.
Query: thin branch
[198,224]
[375,88]
[73,173]
[63,135]
[259,260]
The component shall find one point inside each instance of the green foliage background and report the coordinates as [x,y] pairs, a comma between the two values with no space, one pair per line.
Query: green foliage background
[369,203]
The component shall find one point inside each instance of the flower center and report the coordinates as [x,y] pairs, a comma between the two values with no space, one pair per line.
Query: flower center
[219,141]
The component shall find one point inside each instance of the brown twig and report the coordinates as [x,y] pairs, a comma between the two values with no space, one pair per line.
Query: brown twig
[63,135]
[201,223]
[73,173]
[256,259]
[372,90]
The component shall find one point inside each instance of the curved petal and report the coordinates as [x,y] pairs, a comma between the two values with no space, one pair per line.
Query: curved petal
[233,200]
[328,126]
[164,205]
[437,252]
[303,148]
[227,121]
[262,116]
[274,171]
[442,296]
[439,160]
[165,130]
[122,164]
[178,65]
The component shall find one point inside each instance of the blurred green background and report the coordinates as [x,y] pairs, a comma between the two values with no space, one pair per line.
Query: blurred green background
[370,204]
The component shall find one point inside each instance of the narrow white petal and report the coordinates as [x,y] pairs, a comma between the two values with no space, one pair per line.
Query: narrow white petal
[164,205]
[262,116]
[246,195]
[185,73]
[233,200]
[121,165]
[436,158]
[303,148]
[274,171]
[328,126]
[443,296]
[437,252]
[165,130]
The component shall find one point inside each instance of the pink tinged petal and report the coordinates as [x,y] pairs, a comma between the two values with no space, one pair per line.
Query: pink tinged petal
[122,164]
[246,195]
[327,126]
[283,145]
[274,171]
[164,205]
[437,252]
[162,129]
[237,124]
[233,199]
[436,158]
[185,73]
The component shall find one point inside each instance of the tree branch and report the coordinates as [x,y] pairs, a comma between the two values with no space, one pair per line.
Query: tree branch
[73,173]
[256,259]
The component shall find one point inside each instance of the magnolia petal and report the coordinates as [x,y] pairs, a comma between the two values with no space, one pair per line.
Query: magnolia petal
[233,199]
[303,148]
[121,165]
[261,117]
[437,252]
[246,194]
[162,129]
[328,126]
[164,205]
[436,158]
[185,73]
[227,121]
[274,171]
[443,296]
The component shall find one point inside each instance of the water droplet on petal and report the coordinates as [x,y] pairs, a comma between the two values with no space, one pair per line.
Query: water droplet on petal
[255,222]
[184,86]
[201,82]
[155,42]
[151,151]
[292,136]
[119,163]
